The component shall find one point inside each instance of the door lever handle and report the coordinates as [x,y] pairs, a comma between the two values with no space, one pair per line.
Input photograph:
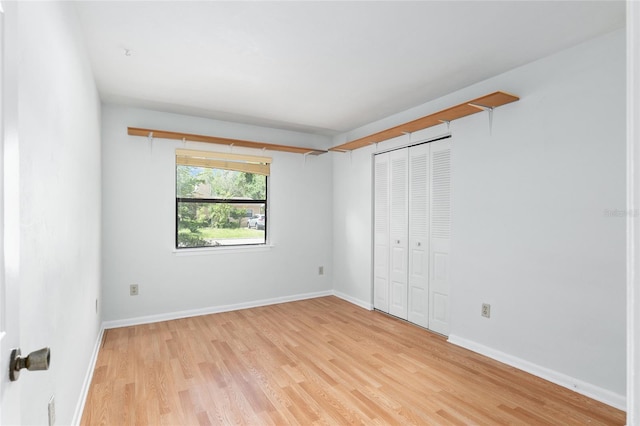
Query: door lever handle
[36,360]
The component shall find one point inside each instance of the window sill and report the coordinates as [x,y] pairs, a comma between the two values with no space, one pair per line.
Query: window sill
[219,250]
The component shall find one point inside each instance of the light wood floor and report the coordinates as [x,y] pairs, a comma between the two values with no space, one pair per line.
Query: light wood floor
[319,361]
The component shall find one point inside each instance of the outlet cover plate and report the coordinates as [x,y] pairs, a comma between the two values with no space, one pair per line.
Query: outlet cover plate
[486,310]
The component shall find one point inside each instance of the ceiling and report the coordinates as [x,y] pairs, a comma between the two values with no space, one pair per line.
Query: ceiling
[319,67]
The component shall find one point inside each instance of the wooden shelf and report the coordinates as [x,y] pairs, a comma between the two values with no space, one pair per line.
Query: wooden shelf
[164,134]
[491,100]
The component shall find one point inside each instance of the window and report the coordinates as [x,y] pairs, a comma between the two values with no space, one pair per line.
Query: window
[221,199]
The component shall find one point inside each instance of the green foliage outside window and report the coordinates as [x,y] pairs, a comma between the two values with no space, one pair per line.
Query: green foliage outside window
[197,221]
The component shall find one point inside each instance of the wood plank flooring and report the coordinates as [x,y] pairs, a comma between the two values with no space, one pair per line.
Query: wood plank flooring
[318,361]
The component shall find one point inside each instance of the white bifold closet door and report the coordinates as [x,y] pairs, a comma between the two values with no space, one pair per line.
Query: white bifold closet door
[381,233]
[419,235]
[440,206]
[391,233]
[412,225]
[398,231]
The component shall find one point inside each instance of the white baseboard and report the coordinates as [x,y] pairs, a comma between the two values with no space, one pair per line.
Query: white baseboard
[212,310]
[77,415]
[366,305]
[610,398]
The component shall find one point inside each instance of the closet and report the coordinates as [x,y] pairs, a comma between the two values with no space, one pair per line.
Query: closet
[412,226]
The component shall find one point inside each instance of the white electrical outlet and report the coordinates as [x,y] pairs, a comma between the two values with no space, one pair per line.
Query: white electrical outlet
[133,290]
[52,411]
[486,310]
[320,270]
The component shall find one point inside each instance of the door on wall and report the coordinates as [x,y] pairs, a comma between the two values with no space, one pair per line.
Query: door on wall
[398,233]
[418,297]
[381,234]
[440,206]
[9,223]
[390,233]
[412,224]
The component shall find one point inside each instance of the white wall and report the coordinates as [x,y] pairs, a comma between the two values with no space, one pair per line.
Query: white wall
[59,144]
[139,222]
[352,221]
[530,234]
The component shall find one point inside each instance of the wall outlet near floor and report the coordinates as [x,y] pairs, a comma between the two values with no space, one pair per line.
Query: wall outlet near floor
[320,270]
[486,310]
[51,407]
[133,290]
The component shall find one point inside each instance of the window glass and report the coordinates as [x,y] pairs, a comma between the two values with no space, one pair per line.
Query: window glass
[219,207]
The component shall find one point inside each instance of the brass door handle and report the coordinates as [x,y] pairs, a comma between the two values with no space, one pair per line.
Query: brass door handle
[36,360]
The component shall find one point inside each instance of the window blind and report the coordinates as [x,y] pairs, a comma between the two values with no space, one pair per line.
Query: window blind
[226,161]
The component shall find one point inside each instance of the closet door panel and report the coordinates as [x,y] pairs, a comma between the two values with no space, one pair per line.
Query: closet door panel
[440,234]
[398,227]
[419,235]
[381,233]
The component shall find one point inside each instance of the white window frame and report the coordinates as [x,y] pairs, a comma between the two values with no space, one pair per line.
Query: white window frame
[224,161]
